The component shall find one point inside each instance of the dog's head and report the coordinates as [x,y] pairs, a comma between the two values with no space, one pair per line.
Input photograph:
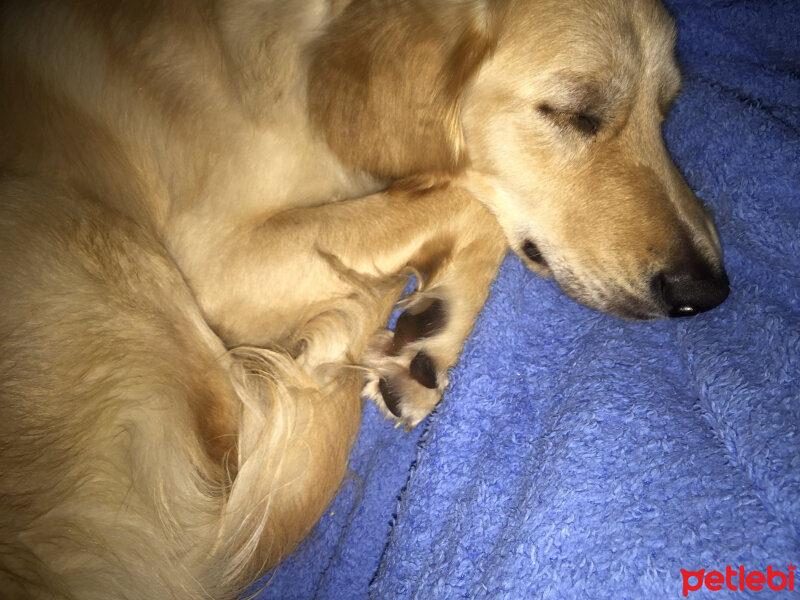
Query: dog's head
[550,112]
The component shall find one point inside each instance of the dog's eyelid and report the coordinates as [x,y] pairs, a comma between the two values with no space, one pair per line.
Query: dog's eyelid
[582,120]
[587,123]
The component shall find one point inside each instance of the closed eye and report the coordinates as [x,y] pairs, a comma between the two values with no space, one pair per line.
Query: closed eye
[586,124]
[581,121]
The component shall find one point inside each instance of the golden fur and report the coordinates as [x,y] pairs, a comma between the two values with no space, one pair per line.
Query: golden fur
[209,209]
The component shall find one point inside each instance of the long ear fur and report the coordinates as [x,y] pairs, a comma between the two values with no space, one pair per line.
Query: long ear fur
[385,82]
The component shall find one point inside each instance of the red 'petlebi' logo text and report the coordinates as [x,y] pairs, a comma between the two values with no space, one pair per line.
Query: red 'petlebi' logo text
[739,579]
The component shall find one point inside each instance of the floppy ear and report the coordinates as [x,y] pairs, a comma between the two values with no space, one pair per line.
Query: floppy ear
[385,82]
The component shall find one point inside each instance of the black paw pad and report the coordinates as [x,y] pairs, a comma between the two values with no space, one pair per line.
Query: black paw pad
[390,397]
[413,326]
[423,370]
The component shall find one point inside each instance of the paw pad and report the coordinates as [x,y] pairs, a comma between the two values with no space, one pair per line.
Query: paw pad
[419,322]
[390,397]
[423,370]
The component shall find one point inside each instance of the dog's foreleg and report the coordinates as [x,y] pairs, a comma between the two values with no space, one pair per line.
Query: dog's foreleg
[363,251]
[320,281]
[408,366]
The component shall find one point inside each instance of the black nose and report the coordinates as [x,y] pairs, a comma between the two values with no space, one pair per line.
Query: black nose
[687,292]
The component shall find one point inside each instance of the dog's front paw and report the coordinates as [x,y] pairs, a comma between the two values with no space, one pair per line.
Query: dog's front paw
[405,379]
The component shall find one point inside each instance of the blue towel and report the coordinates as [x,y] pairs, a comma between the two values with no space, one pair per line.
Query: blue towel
[579,456]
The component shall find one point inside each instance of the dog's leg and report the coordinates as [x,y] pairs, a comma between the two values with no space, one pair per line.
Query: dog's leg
[444,236]
[342,267]
[408,366]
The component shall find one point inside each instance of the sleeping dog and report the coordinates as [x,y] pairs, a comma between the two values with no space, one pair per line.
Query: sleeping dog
[209,209]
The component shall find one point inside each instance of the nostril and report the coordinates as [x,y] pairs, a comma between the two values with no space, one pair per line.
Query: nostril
[685,294]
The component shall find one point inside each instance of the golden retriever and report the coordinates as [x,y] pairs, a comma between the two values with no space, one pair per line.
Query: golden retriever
[208,210]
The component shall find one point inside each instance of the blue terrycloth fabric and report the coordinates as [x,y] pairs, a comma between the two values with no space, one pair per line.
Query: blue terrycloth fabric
[579,456]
